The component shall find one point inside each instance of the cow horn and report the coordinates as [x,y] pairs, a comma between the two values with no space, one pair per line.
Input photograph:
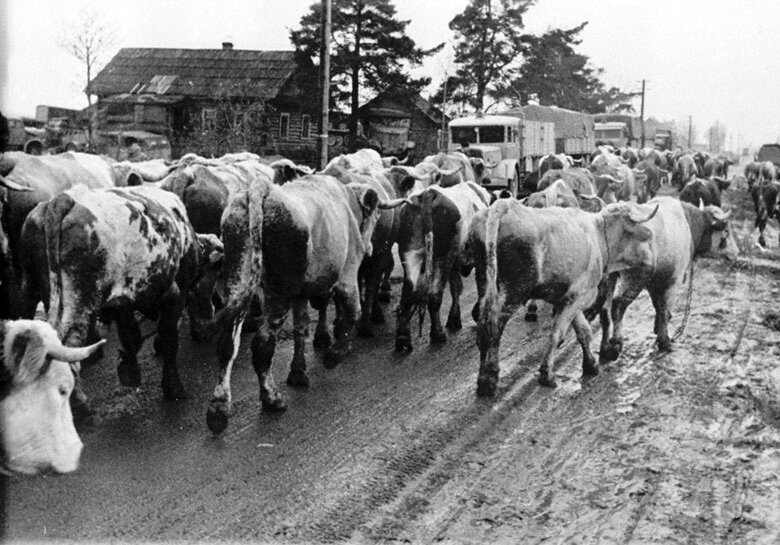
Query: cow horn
[450,172]
[408,172]
[393,203]
[701,204]
[640,170]
[636,218]
[70,354]
[489,165]
[404,161]
[13,185]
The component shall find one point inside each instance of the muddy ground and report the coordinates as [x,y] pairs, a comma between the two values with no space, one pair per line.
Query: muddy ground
[681,448]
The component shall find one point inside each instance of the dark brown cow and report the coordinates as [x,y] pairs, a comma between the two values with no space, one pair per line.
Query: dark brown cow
[764,195]
[681,232]
[704,190]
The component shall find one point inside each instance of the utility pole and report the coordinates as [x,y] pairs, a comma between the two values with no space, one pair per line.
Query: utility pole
[642,114]
[690,127]
[444,135]
[324,82]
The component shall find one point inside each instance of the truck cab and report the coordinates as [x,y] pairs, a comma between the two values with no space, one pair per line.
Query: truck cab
[497,140]
[23,137]
[613,133]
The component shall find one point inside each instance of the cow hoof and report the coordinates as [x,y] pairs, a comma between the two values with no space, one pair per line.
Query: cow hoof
[298,379]
[531,317]
[333,357]
[545,379]
[403,344]
[365,330]
[486,387]
[276,405]
[590,370]
[321,340]
[129,374]
[217,417]
[664,347]
[454,324]
[438,337]
[174,393]
[377,316]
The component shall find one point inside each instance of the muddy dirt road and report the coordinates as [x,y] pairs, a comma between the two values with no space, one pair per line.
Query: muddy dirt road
[682,448]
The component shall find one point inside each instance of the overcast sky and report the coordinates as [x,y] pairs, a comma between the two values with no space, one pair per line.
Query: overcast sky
[714,60]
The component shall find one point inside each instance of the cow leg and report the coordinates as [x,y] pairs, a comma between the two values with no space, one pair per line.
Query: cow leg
[131,340]
[661,301]
[406,308]
[263,348]
[438,335]
[563,318]
[385,291]
[347,301]
[370,272]
[490,327]
[171,308]
[584,336]
[456,289]
[631,286]
[321,335]
[228,343]
[297,375]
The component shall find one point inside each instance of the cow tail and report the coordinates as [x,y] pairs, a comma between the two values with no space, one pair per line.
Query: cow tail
[56,210]
[256,194]
[491,304]
[427,229]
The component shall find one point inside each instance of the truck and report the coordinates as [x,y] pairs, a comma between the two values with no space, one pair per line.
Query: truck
[663,139]
[25,135]
[510,145]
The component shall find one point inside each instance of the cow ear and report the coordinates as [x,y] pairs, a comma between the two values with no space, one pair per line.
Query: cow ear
[369,200]
[133,179]
[27,353]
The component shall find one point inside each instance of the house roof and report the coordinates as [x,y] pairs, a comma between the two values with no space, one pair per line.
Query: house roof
[378,106]
[196,72]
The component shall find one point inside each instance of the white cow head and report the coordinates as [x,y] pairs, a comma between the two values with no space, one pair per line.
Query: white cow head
[36,424]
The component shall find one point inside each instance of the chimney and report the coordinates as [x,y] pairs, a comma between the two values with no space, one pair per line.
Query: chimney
[227,46]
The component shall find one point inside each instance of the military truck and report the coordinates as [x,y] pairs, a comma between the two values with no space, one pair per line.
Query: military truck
[510,145]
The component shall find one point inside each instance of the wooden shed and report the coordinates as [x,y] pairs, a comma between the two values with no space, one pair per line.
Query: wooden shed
[197,94]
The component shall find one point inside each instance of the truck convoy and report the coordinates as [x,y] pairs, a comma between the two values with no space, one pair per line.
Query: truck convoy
[513,143]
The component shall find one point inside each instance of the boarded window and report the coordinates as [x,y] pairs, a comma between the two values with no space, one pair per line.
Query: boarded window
[306,127]
[284,126]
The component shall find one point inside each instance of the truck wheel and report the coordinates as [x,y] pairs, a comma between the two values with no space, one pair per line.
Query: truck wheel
[33,148]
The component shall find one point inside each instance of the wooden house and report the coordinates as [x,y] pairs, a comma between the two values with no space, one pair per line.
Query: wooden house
[200,98]
[400,125]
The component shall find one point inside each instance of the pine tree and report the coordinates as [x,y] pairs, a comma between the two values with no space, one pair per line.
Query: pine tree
[370,51]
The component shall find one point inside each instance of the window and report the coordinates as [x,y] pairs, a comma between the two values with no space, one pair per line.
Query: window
[306,127]
[208,119]
[284,125]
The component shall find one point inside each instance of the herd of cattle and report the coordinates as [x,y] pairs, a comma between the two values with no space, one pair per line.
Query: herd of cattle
[244,239]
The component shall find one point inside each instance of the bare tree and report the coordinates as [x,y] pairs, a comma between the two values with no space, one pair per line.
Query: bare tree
[88,39]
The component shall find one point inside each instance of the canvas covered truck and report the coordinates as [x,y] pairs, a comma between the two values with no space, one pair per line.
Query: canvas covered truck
[510,145]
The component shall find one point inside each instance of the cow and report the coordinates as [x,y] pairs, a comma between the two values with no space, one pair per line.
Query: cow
[434,224]
[454,167]
[685,170]
[311,236]
[553,161]
[37,433]
[648,180]
[112,252]
[580,180]
[764,195]
[767,171]
[618,187]
[630,156]
[555,254]
[704,190]
[680,233]
[752,173]
[36,178]
[384,237]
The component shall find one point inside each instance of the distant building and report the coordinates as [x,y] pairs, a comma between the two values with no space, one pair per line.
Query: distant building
[185,93]
[401,125]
